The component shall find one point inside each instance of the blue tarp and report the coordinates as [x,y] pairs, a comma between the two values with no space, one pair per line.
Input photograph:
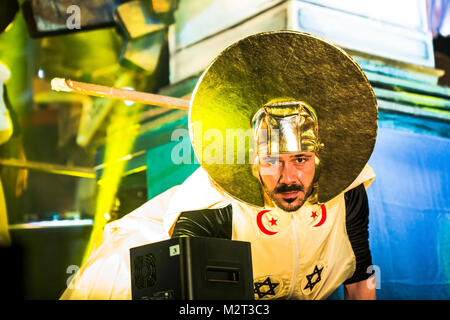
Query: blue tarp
[410,215]
[409,204]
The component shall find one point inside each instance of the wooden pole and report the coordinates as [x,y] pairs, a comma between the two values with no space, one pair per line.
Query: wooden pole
[60,84]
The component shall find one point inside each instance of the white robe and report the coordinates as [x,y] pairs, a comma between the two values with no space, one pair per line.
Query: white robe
[285,257]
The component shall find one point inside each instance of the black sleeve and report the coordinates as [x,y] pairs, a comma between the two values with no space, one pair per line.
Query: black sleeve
[357,224]
[215,223]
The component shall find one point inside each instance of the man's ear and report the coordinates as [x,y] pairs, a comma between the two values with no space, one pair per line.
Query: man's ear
[317,167]
[255,166]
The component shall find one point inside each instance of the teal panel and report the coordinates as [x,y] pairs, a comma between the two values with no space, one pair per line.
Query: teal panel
[169,164]
[146,140]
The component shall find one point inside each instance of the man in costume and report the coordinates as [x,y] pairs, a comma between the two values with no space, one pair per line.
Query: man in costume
[299,197]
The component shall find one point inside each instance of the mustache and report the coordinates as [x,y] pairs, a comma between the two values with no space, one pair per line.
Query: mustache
[288,188]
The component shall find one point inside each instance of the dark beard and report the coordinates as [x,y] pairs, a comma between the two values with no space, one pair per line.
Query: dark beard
[286,188]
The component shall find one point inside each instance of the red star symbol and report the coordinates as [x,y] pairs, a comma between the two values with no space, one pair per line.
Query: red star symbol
[273,222]
[314,215]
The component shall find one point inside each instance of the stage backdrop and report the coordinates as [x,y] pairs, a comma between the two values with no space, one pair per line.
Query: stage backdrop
[410,215]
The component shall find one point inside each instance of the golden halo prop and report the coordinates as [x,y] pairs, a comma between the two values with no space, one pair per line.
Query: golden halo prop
[283,65]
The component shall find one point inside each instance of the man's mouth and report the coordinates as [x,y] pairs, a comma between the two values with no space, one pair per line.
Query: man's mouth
[289,193]
[289,196]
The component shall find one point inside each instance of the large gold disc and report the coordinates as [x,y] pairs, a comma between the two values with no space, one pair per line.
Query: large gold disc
[274,65]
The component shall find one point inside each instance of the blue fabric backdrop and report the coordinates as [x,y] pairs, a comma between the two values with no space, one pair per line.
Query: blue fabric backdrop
[410,215]
[409,203]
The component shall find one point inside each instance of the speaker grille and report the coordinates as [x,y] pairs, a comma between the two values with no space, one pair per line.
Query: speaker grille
[144,271]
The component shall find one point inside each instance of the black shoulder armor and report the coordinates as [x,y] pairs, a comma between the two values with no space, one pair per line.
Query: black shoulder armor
[215,223]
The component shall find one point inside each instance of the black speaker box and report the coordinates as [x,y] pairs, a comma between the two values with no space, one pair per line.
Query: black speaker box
[192,268]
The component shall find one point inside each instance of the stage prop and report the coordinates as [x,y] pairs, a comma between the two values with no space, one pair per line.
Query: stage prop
[51,17]
[144,36]
[134,20]
[59,84]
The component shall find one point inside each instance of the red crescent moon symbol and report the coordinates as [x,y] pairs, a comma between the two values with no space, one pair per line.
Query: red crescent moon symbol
[260,224]
[323,217]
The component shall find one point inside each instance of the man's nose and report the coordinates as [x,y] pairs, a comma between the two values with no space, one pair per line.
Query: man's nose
[289,173]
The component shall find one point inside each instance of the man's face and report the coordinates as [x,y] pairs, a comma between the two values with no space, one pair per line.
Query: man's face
[288,178]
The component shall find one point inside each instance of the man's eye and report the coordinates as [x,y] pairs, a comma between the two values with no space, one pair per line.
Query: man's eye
[270,162]
[301,160]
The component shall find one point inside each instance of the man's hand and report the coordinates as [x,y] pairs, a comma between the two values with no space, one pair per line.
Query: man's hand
[362,290]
